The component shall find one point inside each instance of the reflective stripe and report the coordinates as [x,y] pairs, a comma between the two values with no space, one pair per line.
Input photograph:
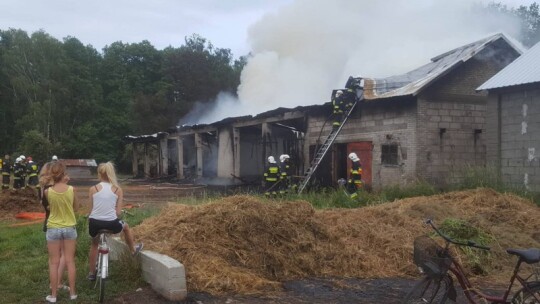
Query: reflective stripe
[273,170]
[271,179]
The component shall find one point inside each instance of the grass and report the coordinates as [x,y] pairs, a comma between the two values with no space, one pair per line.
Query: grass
[338,198]
[24,275]
[471,177]
[478,260]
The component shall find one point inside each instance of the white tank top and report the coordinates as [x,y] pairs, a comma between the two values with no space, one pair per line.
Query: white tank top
[104,208]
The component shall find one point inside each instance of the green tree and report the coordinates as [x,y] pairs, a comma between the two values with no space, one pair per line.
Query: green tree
[528,16]
[35,144]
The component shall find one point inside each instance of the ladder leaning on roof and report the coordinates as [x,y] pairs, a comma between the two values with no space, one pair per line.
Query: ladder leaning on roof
[327,144]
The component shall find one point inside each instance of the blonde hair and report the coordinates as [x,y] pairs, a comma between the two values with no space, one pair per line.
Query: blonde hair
[57,171]
[45,175]
[107,173]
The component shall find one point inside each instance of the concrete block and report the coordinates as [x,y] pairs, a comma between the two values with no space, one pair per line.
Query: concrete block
[166,275]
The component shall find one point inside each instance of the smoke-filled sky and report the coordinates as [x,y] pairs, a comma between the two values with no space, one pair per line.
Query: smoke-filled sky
[301,49]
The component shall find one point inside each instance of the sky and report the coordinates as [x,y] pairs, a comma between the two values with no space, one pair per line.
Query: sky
[300,49]
[163,22]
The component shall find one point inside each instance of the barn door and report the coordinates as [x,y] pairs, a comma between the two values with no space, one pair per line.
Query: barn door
[364,151]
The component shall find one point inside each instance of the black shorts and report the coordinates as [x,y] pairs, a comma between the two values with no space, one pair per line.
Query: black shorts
[94,226]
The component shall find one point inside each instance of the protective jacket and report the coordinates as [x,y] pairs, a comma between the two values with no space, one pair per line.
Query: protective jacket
[271,173]
[356,174]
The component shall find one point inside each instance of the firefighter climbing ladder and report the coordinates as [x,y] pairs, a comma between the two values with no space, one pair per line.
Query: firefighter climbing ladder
[325,147]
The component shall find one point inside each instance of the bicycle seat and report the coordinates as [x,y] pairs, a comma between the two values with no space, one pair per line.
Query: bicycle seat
[106,231]
[529,256]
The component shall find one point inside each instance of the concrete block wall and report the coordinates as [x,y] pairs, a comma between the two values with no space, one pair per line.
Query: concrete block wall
[449,139]
[379,122]
[520,138]
[453,104]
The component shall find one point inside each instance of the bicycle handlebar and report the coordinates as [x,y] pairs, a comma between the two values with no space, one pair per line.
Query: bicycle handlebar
[449,240]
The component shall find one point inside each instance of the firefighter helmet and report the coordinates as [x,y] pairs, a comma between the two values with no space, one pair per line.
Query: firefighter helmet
[22,157]
[54,157]
[18,160]
[271,160]
[283,157]
[353,156]
[338,93]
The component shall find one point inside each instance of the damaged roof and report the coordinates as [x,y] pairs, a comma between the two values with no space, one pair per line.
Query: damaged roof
[413,82]
[267,114]
[145,138]
[523,70]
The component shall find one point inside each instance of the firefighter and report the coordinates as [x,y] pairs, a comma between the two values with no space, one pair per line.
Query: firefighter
[339,106]
[23,173]
[18,174]
[349,98]
[6,172]
[271,177]
[285,174]
[355,179]
[32,171]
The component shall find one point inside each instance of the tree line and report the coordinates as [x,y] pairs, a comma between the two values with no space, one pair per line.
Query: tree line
[65,98]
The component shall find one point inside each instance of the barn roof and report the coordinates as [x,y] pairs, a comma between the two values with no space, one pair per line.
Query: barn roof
[413,82]
[79,162]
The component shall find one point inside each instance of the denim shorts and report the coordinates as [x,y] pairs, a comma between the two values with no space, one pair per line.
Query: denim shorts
[57,234]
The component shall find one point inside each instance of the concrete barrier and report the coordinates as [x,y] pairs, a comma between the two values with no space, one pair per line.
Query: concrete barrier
[166,275]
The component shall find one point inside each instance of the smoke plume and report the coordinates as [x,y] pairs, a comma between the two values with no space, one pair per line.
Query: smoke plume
[307,48]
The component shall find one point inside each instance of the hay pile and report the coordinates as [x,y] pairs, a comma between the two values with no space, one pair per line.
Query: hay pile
[242,245]
[20,200]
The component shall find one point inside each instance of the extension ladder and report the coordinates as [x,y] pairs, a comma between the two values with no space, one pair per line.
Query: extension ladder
[325,147]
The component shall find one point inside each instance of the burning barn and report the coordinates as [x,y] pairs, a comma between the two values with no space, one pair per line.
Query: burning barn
[425,124]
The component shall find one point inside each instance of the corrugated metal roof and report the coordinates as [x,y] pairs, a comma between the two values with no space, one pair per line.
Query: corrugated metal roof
[524,70]
[413,82]
[79,162]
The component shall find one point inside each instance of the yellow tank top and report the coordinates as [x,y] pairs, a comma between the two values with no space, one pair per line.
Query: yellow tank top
[61,208]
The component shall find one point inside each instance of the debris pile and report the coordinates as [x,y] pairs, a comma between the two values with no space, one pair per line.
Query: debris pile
[13,202]
[243,245]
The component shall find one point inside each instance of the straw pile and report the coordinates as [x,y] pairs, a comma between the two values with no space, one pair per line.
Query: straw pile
[245,246]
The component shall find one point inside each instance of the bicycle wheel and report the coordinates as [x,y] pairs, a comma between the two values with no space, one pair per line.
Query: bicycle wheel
[428,290]
[101,290]
[101,278]
[531,296]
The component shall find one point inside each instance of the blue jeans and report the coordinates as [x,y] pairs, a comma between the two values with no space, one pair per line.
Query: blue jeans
[57,234]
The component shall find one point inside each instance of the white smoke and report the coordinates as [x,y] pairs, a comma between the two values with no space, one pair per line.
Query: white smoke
[306,49]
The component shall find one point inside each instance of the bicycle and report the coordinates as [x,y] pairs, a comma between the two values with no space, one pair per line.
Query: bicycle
[102,262]
[437,264]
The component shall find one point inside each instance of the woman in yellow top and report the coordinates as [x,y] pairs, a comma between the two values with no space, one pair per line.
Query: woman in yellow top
[61,232]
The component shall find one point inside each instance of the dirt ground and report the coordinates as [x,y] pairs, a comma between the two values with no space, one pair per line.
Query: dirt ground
[317,291]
